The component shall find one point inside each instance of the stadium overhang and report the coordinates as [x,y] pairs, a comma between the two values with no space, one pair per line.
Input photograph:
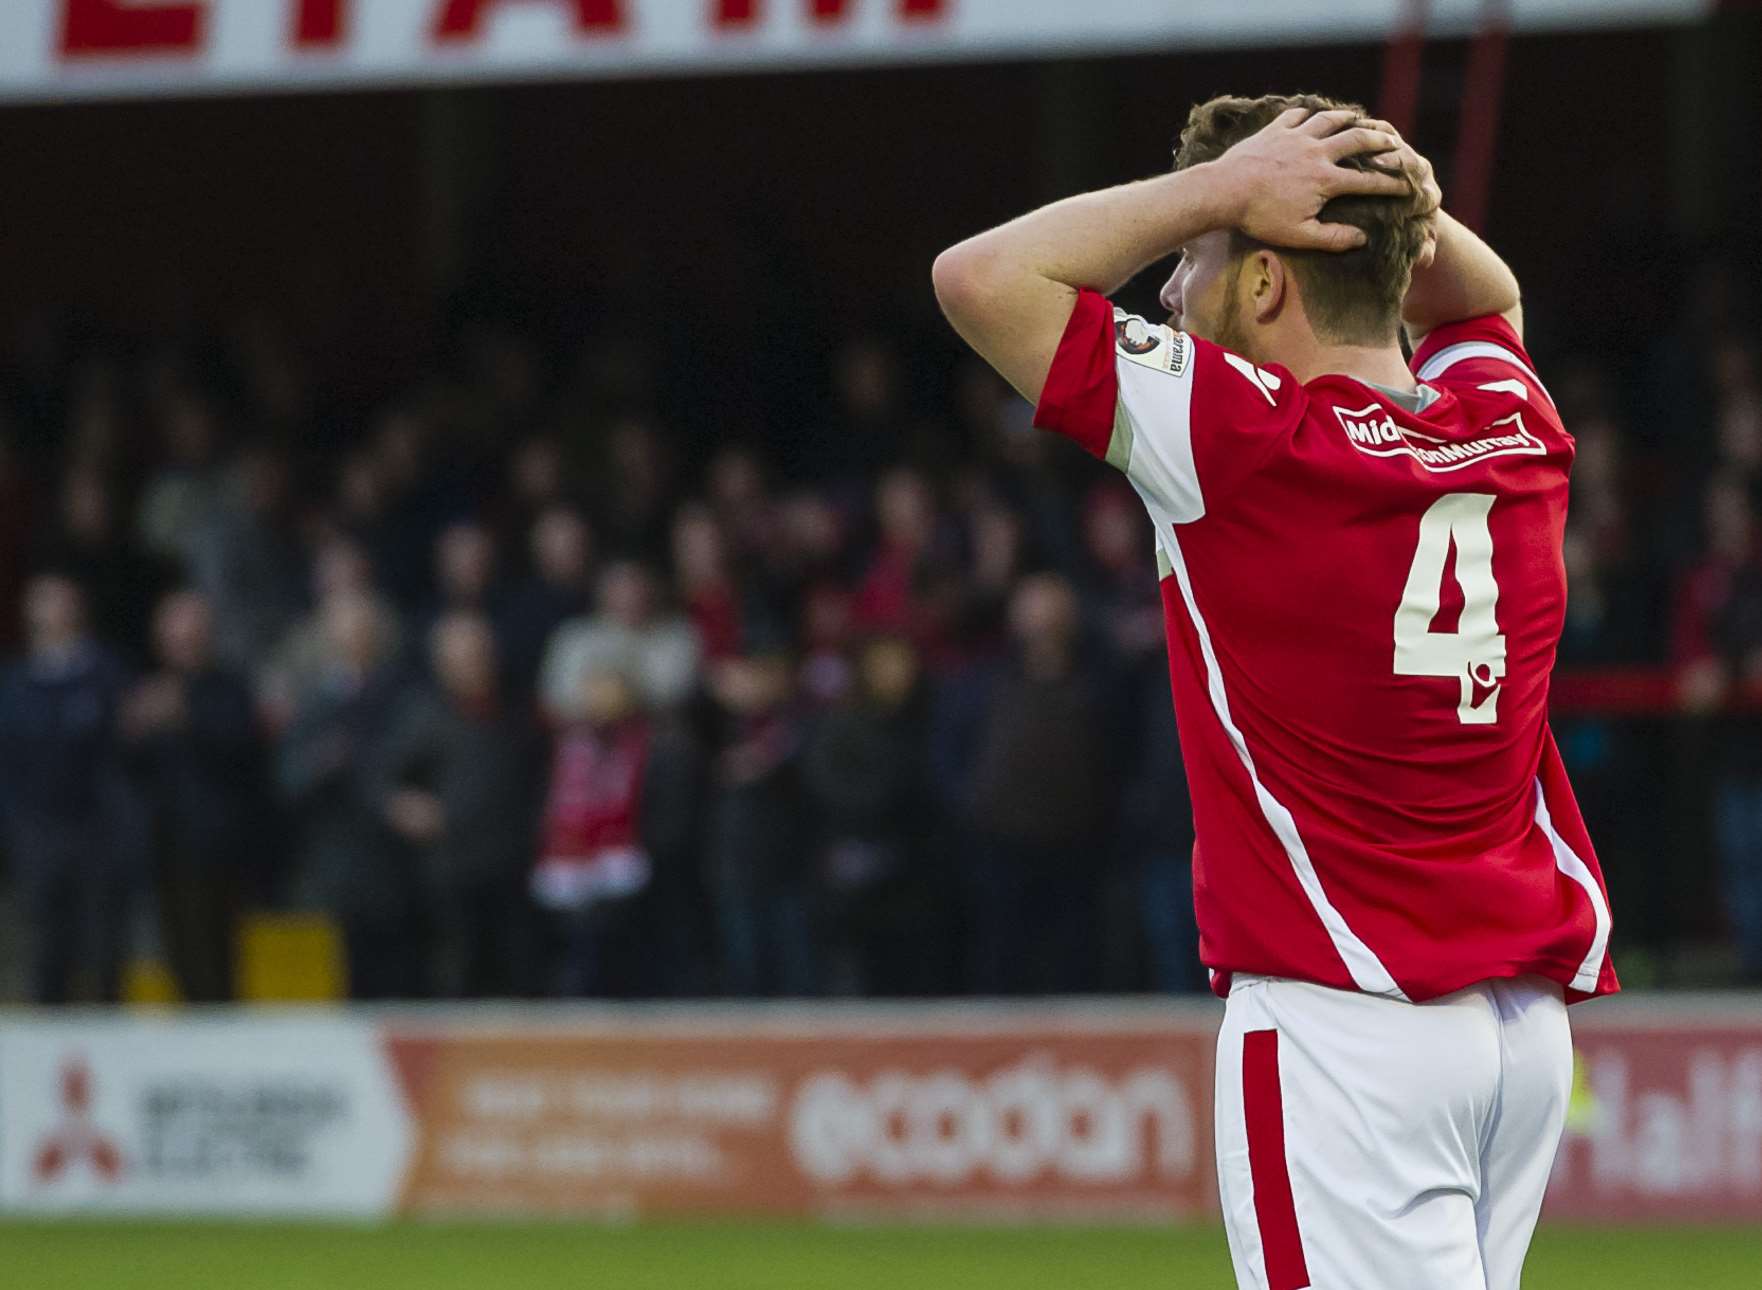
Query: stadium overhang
[91,49]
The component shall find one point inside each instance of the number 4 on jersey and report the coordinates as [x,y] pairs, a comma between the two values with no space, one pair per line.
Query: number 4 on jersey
[1475,652]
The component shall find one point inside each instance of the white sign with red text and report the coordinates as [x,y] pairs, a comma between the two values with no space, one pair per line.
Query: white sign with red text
[1666,1123]
[1096,1111]
[57,49]
[216,1115]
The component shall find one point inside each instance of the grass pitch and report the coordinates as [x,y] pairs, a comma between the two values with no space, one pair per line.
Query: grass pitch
[79,1255]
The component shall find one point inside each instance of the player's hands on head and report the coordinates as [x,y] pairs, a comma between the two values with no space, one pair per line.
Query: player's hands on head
[1281,177]
[1428,197]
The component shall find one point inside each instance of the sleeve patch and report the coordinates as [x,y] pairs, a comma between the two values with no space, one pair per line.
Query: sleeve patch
[1160,348]
[1134,336]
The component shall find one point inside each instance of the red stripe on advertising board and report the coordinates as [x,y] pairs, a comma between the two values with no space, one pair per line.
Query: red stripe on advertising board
[99,27]
[318,22]
[1264,1109]
[462,19]
[741,13]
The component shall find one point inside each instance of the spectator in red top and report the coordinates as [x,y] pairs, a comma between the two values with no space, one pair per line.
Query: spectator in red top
[905,592]
[1716,598]
[593,867]
[707,591]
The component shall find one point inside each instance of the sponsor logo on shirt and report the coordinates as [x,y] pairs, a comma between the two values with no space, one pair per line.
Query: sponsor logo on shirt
[1373,432]
[1135,336]
[1178,353]
[1140,341]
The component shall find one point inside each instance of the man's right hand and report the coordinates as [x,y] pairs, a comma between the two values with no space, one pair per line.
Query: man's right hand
[1280,178]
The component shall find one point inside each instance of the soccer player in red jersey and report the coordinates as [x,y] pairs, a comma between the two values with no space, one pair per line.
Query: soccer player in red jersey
[1363,582]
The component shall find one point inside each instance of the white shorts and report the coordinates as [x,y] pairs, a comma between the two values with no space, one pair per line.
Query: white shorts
[1368,1144]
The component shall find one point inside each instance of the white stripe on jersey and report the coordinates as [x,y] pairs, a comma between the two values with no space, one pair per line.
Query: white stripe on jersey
[1569,863]
[1366,969]
[1154,422]
[1451,355]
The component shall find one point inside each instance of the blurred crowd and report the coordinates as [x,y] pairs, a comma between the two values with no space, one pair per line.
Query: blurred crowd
[534,691]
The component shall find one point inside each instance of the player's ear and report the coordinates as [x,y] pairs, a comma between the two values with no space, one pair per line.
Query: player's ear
[1268,281]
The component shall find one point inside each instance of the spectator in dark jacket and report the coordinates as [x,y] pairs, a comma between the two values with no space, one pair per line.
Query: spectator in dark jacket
[304,659]
[347,862]
[247,560]
[558,589]
[1157,835]
[458,779]
[1024,750]
[73,824]
[192,733]
[1121,599]
[466,581]
[756,848]
[17,502]
[121,580]
[863,771]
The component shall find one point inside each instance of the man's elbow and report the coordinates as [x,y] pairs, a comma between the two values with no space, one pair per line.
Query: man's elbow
[959,277]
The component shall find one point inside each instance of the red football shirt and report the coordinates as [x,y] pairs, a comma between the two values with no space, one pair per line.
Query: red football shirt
[1363,604]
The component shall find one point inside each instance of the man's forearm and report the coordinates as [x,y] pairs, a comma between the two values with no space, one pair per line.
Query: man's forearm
[1466,279]
[1017,274]
[1101,239]
[1010,292]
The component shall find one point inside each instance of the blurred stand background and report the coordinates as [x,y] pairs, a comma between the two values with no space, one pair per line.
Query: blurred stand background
[546,533]
[489,511]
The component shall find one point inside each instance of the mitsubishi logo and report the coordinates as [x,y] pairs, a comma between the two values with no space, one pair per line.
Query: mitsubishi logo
[76,1140]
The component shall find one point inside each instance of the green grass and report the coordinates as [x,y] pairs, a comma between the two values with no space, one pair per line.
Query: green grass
[146,1256]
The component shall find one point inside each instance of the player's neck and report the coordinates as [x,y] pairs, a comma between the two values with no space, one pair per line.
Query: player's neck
[1377,364]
